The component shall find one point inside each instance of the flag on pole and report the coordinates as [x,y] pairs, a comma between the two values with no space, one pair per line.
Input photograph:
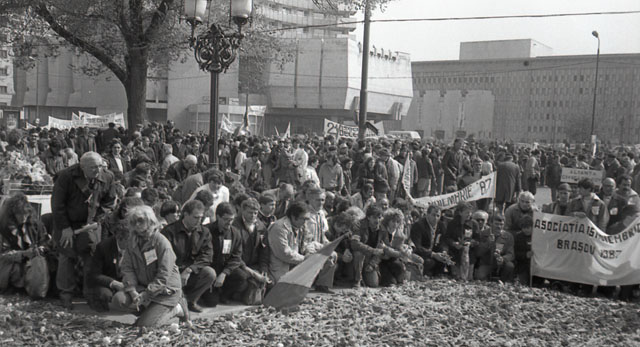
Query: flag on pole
[295,284]
[287,134]
[277,132]
[225,125]
[406,176]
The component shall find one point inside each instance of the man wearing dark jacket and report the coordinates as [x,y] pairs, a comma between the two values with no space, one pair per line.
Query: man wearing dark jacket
[425,234]
[508,183]
[366,256]
[192,245]
[104,276]
[81,194]
[252,273]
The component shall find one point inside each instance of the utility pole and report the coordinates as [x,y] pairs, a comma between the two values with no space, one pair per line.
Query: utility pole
[362,116]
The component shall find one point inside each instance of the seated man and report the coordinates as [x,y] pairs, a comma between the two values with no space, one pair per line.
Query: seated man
[191,243]
[425,234]
[364,244]
[246,276]
[286,239]
[501,257]
[104,277]
[317,228]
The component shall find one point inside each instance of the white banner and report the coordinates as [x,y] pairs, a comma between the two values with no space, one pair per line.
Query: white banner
[59,123]
[571,175]
[341,130]
[483,188]
[574,249]
[87,120]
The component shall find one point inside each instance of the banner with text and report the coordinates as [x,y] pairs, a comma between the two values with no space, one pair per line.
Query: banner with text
[571,175]
[574,249]
[341,130]
[86,120]
[483,188]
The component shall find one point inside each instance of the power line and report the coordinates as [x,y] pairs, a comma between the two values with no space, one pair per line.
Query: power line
[442,19]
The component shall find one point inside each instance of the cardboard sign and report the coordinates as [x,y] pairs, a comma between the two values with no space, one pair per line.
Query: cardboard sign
[571,175]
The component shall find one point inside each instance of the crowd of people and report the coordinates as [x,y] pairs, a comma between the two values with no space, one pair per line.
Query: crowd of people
[143,222]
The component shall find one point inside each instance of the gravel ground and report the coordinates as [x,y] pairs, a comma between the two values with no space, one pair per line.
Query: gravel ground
[439,312]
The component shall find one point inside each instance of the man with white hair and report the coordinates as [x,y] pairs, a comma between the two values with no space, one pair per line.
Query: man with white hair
[81,194]
[169,159]
[183,169]
[514,213]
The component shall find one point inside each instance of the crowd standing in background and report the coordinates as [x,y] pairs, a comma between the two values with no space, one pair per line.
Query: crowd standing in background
[142,222]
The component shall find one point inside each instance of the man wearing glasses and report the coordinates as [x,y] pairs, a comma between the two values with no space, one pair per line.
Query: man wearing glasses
[191,242]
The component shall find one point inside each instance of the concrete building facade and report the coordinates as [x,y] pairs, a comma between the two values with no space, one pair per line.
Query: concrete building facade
[546,99]
[323,81]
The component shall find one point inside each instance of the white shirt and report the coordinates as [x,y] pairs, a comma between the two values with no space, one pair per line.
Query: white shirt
[219,196]
[119,163]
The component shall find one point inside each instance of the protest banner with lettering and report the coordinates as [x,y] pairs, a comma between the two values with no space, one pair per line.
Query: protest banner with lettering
[59,123]
[483,188]
[571,175]
[341,130]
[574,249]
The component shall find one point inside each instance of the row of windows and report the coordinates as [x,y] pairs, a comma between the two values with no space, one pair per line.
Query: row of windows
[546,128]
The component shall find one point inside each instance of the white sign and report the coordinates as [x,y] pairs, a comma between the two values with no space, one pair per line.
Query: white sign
[571,175]
[341,130]
[483,188]
[574,249]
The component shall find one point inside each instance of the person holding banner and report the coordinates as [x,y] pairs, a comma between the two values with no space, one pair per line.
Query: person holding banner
[514,213]
[589,205]
[561,205]
[500,258]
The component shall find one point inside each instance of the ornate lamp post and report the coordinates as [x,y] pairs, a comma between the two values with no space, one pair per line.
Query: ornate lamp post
[595,86]
[215,50]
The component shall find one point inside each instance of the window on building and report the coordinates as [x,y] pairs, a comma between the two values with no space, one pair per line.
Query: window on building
[3,53]
[3,90]
[4,71]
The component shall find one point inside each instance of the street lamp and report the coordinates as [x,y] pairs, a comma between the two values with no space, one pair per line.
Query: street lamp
[595,87]
[215,50]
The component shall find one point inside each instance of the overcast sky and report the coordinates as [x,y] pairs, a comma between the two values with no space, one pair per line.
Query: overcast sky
[565,35]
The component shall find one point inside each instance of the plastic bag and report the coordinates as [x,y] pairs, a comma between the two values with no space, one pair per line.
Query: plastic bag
[36,279]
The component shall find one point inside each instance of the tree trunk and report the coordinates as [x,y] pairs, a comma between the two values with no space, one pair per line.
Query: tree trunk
[136,87]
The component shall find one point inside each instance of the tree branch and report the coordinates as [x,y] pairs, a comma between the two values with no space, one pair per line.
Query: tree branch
[46,15]
[157,19]
[125,29]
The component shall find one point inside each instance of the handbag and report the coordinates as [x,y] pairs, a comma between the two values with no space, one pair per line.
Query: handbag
[36,279]
[255,293]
